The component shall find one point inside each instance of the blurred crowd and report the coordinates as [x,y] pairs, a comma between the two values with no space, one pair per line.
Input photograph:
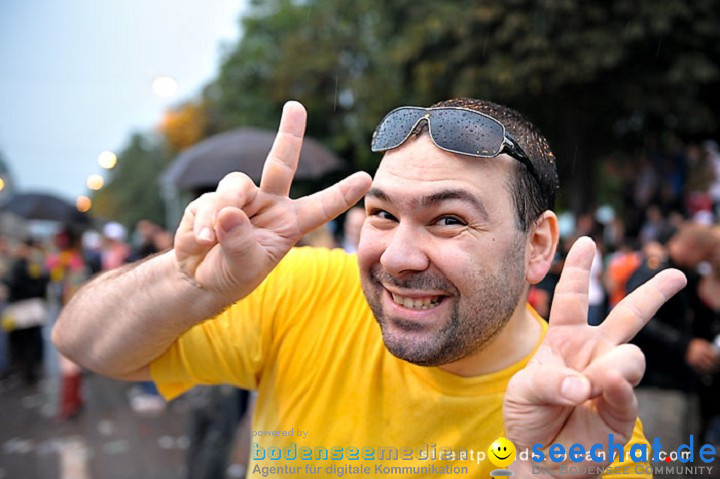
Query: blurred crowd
[667,216]
[39,276]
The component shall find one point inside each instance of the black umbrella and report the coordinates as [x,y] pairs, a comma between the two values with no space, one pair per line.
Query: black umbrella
[203,165]
[43,206]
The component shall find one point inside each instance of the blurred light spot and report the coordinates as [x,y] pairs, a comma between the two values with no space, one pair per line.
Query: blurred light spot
[95,182]
[83,203]
[166,442]
[2,184]
[165,86]
[107,160]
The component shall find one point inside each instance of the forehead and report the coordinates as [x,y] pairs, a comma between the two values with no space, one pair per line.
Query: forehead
[418,166]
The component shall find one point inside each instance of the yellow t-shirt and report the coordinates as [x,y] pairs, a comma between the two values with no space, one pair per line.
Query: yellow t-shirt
[308,342]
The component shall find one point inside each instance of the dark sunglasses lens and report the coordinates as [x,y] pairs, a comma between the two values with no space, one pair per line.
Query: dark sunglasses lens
[466,132]
[395,128]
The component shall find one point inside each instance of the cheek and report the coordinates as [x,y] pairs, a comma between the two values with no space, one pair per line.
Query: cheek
[467,263]
[370,248]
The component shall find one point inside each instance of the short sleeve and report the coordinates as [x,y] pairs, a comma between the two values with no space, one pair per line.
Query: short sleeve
[235,346]
[629,469]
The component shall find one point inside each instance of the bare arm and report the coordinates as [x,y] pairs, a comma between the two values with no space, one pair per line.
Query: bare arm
[122,320]
[227,243]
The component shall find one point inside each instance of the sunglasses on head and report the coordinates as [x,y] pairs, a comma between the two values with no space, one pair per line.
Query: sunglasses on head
[454,129]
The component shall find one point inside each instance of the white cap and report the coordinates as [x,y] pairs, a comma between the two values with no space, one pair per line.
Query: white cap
[114,231]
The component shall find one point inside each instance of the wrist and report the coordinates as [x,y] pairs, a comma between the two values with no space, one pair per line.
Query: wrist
[194,301]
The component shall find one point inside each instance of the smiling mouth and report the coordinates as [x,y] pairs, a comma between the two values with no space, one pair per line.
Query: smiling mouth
[427,302]
[501,458]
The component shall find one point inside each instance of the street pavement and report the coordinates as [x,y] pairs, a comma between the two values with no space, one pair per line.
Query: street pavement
[106,440]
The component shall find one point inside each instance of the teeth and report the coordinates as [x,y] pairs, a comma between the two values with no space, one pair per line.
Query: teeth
[417,303]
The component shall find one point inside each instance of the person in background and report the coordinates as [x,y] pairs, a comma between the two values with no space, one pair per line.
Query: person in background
[621,266]
[321,237]
[213,417]
[115,251]
[91,242]
[709,293]
[68,273]
[354,219]
[26,279]
[675,349]
[143,244]
[145,399]
[701,177]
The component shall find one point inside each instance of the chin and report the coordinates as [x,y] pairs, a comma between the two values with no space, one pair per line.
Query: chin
[418,344]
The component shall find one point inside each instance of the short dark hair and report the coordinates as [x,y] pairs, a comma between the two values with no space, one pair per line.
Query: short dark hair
[531,197]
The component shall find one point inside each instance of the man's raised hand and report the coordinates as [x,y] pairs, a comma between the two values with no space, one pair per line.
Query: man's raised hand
[578,387]
[229,240]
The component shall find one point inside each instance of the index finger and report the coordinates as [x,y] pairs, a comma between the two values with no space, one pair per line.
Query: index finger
[281,163]
[570,303]
[632,313]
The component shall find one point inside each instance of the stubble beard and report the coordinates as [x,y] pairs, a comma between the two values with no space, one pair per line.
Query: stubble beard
[474,321]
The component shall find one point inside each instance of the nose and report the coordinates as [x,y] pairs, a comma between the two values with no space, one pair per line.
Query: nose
[405,251]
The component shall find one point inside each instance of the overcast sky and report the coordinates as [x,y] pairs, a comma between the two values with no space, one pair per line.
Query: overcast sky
[76,77]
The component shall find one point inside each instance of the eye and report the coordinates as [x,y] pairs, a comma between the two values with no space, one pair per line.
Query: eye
[382,215]
[450,221]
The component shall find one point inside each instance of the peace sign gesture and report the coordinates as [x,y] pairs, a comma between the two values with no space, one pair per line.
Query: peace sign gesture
[229,240]
[578,387]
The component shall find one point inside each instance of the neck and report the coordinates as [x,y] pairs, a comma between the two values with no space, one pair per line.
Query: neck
[516,340]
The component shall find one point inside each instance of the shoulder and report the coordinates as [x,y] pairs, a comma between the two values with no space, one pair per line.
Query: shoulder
[309,277]
[307,266]
[306,257]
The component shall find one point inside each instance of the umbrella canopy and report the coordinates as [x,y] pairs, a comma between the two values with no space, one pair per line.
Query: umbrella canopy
[43,206]
[203,165]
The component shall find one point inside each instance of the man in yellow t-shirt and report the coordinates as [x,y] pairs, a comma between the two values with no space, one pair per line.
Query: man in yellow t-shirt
[307,341]
[459,225]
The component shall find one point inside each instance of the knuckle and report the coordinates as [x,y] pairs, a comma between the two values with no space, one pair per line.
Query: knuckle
[205,204]
[635,351]
[234,180]
[194,205]
[234,187]
[635,355]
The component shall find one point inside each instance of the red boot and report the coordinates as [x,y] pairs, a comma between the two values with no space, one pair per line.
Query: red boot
[70,395]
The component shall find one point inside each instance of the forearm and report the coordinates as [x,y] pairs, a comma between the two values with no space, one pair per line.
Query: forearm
[122,320]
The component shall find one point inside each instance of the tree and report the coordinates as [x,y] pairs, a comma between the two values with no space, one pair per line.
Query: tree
[595,76]
[184,126]
[133,191]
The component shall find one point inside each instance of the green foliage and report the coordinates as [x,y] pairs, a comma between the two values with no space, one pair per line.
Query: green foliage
[595,76]
[599,78]
[132,192]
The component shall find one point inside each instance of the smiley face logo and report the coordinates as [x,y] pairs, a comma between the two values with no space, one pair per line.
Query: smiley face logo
[501,452]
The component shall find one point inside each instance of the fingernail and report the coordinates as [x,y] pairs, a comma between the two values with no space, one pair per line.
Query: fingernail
[206,234]
[574,389]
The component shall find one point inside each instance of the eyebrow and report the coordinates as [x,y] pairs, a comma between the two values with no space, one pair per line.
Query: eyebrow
[435,198]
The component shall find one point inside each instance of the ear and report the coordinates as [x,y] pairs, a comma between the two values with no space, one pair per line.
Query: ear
[541,245]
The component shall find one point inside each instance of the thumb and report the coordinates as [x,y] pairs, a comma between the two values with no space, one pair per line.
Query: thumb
[319,208]
[545,384]
[236,236]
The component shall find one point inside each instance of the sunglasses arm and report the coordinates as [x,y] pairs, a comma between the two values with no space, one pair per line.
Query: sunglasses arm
[511,147]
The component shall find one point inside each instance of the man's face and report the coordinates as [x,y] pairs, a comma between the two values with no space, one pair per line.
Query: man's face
[441,260]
